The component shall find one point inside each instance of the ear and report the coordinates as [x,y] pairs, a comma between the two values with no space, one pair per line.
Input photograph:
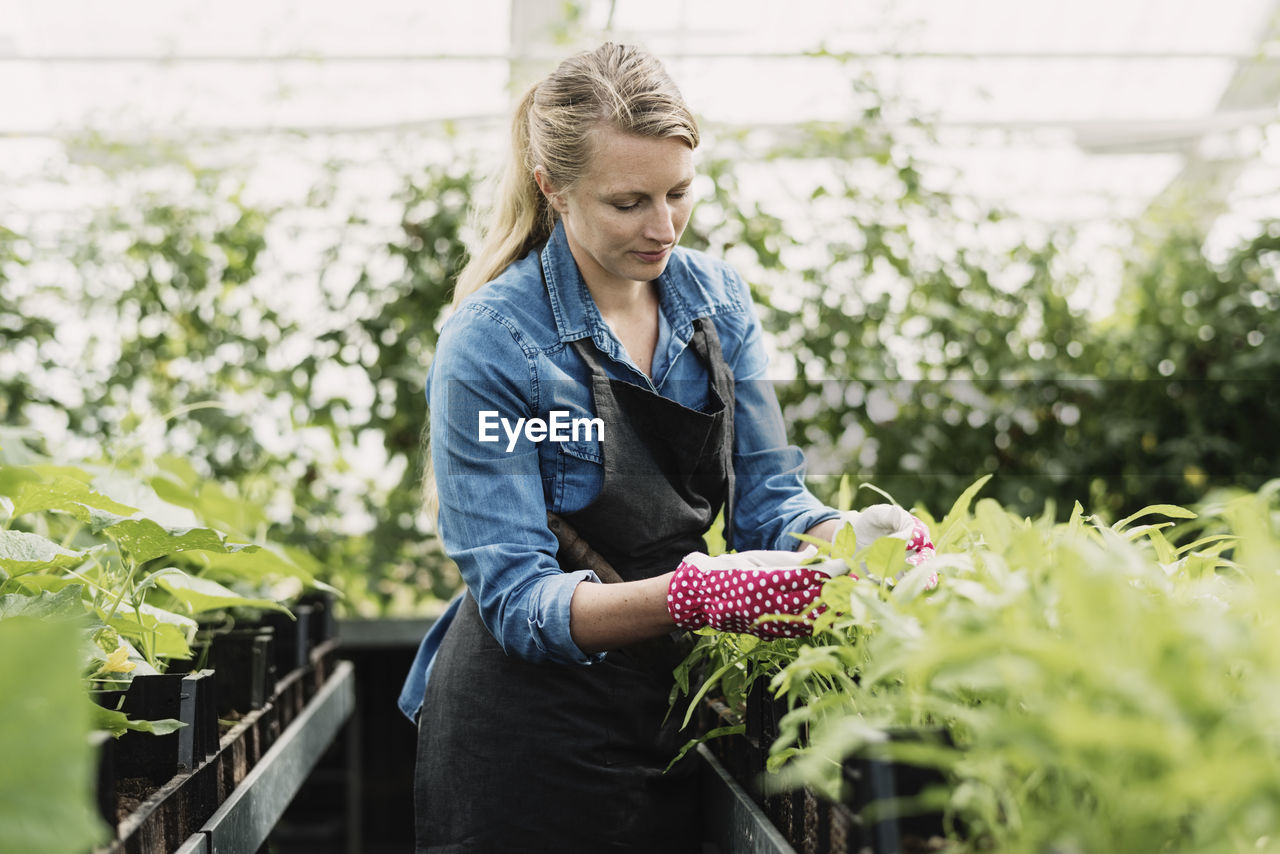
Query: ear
[548,189]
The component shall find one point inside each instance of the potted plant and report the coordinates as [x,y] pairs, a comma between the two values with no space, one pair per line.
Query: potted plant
[149,598]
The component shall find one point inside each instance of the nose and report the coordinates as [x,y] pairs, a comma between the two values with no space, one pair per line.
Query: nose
[660,226]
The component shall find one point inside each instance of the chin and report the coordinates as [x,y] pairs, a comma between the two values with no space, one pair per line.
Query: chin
[645,272]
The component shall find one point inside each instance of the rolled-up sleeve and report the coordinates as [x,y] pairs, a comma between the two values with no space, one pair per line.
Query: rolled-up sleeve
[772,501]
[493,515]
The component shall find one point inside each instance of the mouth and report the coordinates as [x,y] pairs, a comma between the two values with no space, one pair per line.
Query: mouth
[652,257]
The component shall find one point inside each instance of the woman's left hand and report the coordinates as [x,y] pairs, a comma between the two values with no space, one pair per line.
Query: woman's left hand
[890,520]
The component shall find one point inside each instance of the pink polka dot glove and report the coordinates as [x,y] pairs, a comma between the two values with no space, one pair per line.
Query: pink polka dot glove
[732,592]
[889,520]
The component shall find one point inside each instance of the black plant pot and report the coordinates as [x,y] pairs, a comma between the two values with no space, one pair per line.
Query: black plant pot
[104,749]
[244,668]
[872,777]
[762,723]
[190,698]
[292,638]
[206,735]
[111,699]
[324,619]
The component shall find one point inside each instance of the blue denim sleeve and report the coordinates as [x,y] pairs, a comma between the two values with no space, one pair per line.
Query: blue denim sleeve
[493,514]
[772,500]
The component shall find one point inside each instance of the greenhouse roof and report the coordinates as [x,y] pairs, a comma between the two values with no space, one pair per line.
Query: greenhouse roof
[1066,113]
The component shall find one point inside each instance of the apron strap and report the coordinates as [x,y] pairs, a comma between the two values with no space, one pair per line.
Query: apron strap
[704,337]
[601,396]
[706,343]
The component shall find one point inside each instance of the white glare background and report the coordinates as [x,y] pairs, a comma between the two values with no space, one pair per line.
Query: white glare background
[1083,113]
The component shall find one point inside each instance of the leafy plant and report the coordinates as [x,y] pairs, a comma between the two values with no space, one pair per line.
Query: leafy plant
[136,582]
[1106,687]
[46,778]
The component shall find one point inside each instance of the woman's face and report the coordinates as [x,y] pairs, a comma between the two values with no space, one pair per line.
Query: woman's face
[627,213]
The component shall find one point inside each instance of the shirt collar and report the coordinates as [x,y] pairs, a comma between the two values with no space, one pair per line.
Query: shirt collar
[575,311]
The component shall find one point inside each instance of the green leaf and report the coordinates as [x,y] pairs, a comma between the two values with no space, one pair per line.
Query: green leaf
[34,582]
[844,495]
[707,686]
[914,582]
[886,557]
[13,478]
[257,565]
[201,594]
[99,520]
[736,729]
[182,486]
[1164,550]
[66,495]
[46,778]
[144,540]
[878,491]
[845,543]
[1173,511]
[958,512]
[22,552]
[165,633]
[1146,531]
[824,546]
[683,669]
[1204,541]
[118,723]
[714,538]
[68,603]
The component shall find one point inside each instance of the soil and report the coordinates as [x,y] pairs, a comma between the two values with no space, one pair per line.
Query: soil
[130,793]
[228,723]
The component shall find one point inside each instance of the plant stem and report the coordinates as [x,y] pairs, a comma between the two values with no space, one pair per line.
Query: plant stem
[124,588]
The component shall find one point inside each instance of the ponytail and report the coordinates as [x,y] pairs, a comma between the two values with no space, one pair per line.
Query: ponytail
[520,218]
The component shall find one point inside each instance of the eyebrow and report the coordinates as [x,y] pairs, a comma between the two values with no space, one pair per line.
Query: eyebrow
[642,194]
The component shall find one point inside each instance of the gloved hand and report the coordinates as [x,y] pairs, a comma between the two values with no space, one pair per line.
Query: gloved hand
[889,520]
[731,591]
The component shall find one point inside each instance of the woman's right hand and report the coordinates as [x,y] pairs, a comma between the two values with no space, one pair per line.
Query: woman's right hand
[731,592]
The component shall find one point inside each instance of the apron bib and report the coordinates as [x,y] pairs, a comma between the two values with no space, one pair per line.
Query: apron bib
[515,756]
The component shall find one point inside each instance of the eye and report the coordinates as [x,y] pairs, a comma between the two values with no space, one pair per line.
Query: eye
[678,194]
[629,207]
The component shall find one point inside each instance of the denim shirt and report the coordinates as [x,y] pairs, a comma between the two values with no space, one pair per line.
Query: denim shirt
[506,353]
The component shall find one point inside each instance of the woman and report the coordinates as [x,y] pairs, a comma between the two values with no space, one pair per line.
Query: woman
[595,371]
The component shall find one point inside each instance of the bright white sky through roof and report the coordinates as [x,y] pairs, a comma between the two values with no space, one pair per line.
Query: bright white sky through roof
[1077,112]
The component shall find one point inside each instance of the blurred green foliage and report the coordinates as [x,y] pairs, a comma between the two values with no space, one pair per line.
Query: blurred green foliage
[1104,687]
[47,778]
[932,341]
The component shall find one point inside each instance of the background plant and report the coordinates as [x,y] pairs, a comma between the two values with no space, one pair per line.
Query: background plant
[137,582]
[93,592]
[281,346]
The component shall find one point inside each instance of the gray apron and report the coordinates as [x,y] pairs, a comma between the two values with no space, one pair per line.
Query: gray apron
[515,756]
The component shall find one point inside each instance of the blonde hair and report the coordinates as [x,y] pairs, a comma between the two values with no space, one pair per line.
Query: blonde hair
[616,86]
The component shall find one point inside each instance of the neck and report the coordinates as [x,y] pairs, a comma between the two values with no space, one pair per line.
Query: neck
[619,299]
